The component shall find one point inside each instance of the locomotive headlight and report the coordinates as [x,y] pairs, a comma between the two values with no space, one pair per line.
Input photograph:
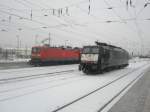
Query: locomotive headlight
[36,55]
[89,57]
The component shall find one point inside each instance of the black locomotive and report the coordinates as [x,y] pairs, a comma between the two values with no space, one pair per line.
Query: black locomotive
[101,57]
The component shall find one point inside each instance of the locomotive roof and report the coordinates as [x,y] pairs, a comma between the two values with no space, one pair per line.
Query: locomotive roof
[107,45]
[60,47]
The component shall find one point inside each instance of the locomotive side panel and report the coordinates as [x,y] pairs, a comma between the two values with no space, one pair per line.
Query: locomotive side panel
[57,54]
[50,55]
[118,57]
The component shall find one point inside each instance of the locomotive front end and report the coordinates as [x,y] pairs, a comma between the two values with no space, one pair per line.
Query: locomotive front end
[35,55]
[89,59]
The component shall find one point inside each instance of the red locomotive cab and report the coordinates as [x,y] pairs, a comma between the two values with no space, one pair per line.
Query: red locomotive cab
[36,52]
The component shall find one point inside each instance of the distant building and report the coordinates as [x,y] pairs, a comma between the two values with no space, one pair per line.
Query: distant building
[12,53]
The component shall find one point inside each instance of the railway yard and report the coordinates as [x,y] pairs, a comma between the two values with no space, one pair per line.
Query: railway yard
[63,88]
[74,56]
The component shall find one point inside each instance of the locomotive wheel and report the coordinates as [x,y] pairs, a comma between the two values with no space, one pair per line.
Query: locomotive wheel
[101,71]
[79,68]
[85,70]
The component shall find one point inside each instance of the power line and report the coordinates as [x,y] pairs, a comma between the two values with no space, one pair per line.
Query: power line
[44,7]
[115,12]
[27,18]
[22,3]
[139,31]
[37,22]
[32,4]
[145,5]
[94,18]
[109,21]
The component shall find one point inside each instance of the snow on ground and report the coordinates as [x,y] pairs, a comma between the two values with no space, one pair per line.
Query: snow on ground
[94,102]
[48,93]
[13,60]
[137,59]
[4,74]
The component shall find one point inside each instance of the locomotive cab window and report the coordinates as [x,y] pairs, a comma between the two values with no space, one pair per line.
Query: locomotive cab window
[86,50]
[90,50]
[35,50]
[95,50]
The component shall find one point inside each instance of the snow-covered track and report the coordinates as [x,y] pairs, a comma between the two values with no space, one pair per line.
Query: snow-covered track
[29,77]
[32,73]
[55,93]
[120,92]
[102,87]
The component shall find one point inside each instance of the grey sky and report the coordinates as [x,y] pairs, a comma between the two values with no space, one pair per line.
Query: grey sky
[109,21]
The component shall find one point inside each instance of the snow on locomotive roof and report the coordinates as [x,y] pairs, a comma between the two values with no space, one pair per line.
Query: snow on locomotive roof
[110,46]
[107,46]
[59,47]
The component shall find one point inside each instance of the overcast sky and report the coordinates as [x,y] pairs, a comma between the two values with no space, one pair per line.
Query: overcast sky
[124,23]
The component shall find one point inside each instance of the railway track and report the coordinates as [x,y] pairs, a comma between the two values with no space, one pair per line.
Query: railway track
[72,78]
[35,76]
[66,80]
[100,88]
[56,79]
[119,93]
[31,92]
[68,103]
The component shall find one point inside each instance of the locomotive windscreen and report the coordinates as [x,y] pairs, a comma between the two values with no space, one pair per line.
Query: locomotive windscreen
[35,50]
[90,50]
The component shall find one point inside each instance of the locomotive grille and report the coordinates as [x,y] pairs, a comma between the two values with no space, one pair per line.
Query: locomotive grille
[89,57]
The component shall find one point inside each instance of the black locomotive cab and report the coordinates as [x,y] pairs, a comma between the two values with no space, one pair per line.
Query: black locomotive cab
[89,58]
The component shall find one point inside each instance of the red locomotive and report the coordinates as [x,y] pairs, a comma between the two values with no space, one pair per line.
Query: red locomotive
[42,55]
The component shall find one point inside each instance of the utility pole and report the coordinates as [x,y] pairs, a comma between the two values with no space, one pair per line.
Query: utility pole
[26,50]
[18,41]
[20,44]
[66,43]
[48,40]
[36,41]
[49,36]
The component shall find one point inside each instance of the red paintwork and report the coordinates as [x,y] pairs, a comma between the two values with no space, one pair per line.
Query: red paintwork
[56,54]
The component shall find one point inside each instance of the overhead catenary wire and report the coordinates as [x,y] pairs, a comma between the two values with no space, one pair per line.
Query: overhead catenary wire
[141,10]
[32,4]
[115,12]
[139,32]
[76,33]
[22,3]
[98,35]
[68,23]
[107,21]
[31,15]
